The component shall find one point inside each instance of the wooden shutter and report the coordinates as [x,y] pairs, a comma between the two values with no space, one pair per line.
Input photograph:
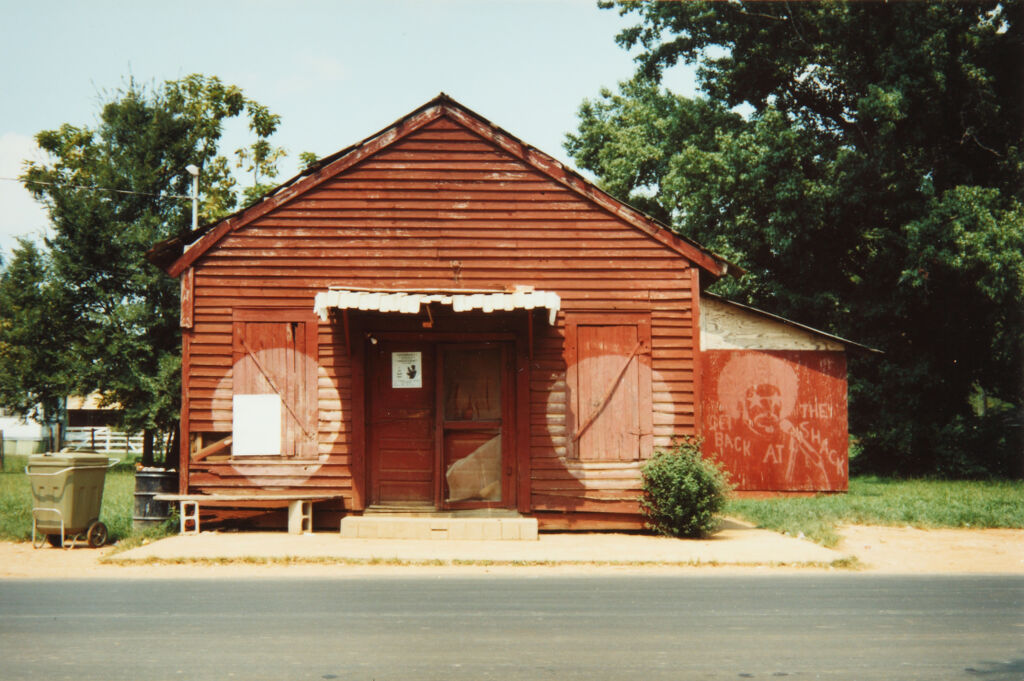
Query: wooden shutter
[274,353]
[609,375]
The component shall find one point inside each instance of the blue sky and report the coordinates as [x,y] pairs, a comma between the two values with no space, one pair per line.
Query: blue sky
[335,71]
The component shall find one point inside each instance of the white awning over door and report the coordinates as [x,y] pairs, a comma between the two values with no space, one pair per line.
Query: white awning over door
[411,302]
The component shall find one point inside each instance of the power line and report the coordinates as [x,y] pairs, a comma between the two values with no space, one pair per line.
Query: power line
[97,189]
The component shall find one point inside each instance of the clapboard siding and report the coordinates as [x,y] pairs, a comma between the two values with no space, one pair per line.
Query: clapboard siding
[444,208]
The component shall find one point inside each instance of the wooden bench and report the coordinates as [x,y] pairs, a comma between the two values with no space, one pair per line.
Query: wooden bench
[300,507]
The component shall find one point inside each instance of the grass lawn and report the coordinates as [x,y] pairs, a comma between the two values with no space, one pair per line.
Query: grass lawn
[884,501]
[16,500]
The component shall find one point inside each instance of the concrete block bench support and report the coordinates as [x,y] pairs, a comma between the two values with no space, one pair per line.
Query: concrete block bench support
[300,507]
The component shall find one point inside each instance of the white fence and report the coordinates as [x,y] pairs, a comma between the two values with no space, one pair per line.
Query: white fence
[103,439]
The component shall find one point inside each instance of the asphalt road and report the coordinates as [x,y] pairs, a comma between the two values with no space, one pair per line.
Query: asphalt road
[625,627]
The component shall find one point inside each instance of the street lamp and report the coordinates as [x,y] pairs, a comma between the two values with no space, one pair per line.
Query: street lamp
[194,172]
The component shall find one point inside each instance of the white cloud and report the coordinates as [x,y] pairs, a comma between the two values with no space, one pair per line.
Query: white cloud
[20,214]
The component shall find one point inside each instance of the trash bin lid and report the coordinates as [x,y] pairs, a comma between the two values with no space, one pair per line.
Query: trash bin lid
[68,459]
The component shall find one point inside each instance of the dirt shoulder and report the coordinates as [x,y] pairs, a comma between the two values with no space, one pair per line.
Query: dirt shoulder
[910,550]
[895,550]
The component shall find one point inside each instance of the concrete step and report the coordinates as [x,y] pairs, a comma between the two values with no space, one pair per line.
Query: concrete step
[382,526]
[429,511]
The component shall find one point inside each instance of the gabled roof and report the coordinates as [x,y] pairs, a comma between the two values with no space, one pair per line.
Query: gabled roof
[176,255]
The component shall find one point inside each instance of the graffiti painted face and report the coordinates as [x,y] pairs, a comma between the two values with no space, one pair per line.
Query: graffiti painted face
[762,408]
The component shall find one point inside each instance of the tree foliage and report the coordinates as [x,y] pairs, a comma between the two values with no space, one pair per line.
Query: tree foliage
[863,162]
[113,190]
[33,338]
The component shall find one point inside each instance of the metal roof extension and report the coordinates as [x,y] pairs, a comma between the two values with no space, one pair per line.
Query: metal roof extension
[410,302]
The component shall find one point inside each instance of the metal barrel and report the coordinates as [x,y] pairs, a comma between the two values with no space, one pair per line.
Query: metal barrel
[148,483]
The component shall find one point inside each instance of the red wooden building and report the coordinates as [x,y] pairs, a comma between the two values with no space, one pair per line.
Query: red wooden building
[442,317]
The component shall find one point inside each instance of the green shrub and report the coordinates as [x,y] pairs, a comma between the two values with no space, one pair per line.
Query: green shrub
[682,490]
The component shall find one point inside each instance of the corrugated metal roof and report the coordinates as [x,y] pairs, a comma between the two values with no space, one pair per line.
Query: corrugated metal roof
[410,302]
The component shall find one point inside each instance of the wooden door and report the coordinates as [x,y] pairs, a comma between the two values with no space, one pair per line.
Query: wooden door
[440,422]
[402,420]
[475,408]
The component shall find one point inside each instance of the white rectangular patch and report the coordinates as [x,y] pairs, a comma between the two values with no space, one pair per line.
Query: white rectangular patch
[256,425]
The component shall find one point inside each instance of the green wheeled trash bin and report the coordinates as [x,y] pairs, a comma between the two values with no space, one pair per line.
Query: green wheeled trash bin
[67,492]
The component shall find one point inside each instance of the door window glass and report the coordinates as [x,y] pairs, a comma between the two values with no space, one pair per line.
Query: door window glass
[472,384]
[472,429]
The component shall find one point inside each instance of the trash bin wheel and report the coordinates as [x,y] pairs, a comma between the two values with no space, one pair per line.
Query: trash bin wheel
[96,535]
[54,540]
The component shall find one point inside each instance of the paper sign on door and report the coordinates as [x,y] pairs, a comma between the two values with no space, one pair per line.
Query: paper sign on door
[406,370]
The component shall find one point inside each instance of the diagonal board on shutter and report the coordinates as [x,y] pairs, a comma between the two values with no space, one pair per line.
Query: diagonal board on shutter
[612,387]
[281,393]
[275,354]
[609,378]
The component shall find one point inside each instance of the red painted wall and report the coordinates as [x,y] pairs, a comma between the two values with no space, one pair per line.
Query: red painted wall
[777,419]
[444,207]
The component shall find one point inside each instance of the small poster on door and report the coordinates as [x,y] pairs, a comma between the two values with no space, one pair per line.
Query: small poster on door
[406,370]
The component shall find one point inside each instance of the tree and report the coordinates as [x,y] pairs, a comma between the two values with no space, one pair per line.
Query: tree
[872,187]
[259,158]
[35,373]
[307,158]
[112,192]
